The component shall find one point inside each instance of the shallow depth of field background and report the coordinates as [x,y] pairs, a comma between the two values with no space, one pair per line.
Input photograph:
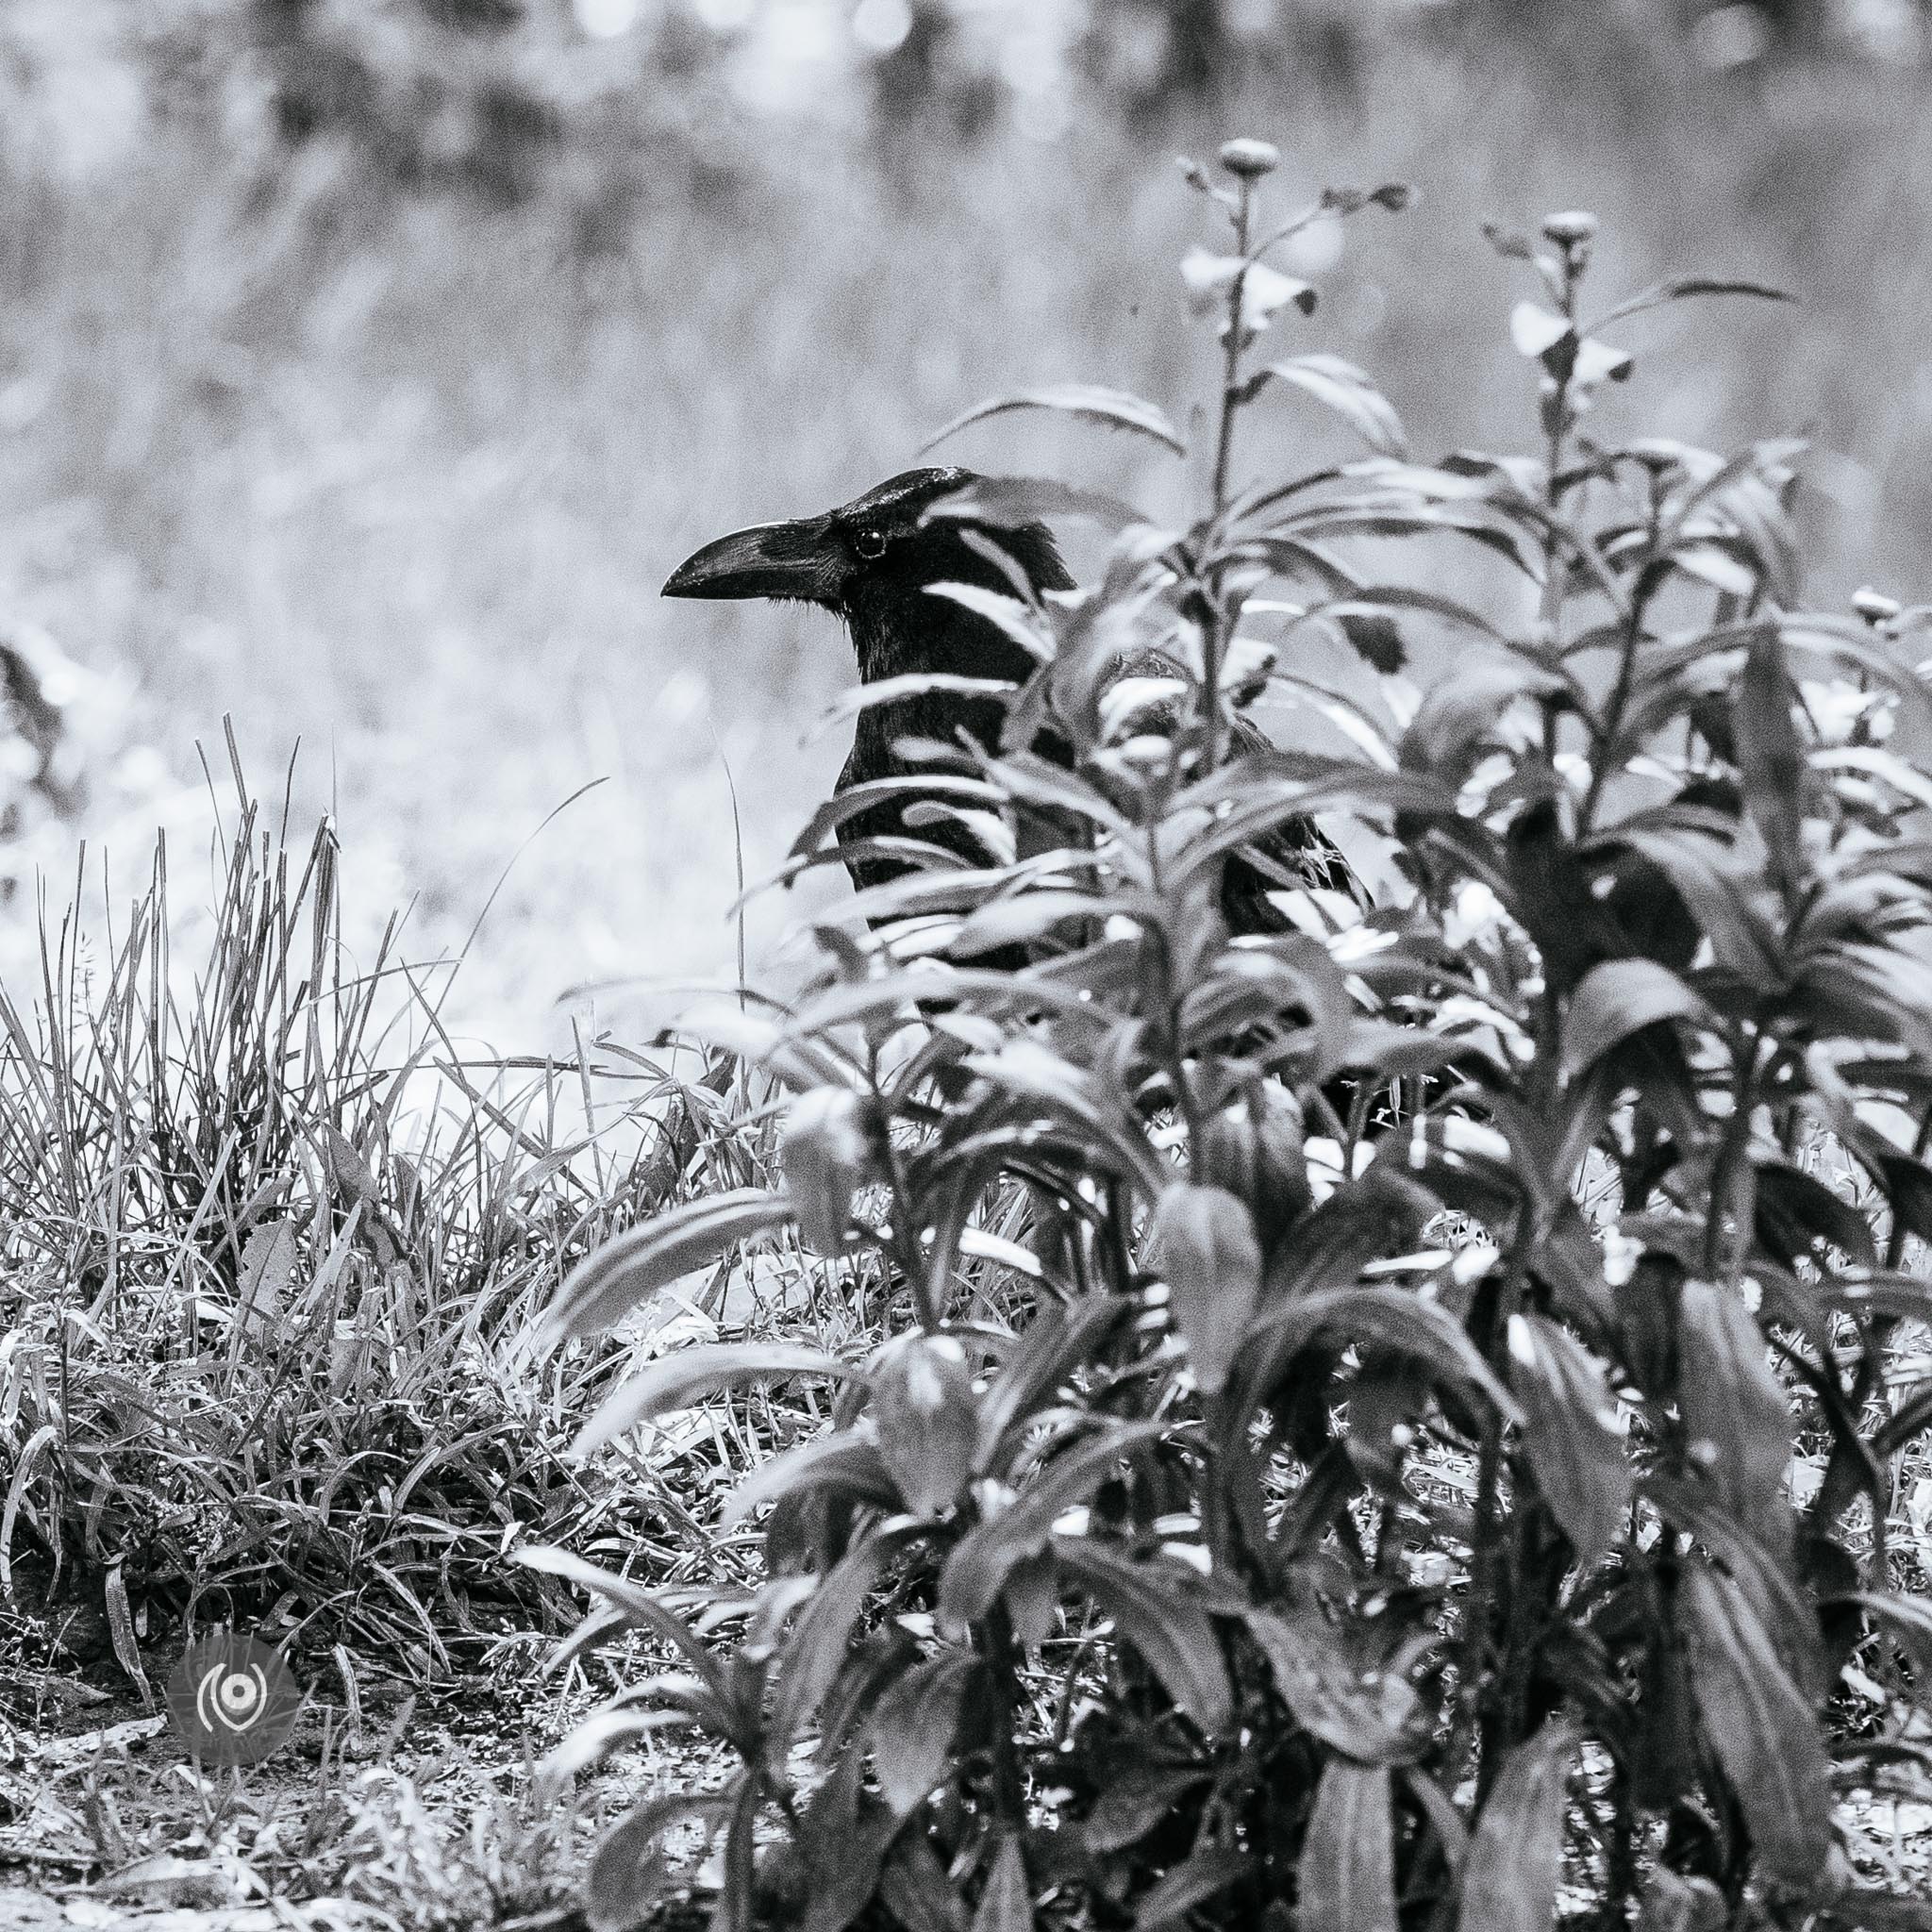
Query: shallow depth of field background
[366,364]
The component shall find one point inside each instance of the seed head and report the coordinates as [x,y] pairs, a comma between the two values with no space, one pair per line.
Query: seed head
[1250,160]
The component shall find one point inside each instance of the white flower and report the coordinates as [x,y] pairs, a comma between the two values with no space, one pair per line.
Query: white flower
[1475,914]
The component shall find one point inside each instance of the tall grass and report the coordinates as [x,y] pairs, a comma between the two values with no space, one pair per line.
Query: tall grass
[271,1246]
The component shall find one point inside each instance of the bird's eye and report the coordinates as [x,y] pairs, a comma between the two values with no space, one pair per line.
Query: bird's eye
[870,543]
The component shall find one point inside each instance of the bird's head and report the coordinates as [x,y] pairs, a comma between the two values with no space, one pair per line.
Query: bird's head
[872,561]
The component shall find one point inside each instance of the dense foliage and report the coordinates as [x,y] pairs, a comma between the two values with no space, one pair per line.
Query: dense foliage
[1337,1460]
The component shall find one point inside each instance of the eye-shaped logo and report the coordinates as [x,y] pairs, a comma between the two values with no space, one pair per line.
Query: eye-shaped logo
[232,1700]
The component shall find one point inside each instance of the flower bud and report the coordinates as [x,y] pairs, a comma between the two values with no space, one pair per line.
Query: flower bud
[1227,1152]
[1204,1243]
[922,1401]
[831,1150]
[1250,160]
[1570,230]
[1261,1162]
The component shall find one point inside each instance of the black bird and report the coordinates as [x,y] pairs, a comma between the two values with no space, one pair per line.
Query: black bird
[872,562]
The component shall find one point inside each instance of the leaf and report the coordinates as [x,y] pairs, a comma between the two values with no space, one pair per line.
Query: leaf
[1576,1449]
[628,1870]
[1675,1903]
[1785,1610]
[1740,937]
[1013,618]
[1463,710]
[733,1912]
[1007,1903]
[832,1146]
[911,1729]
[1771,760]
[1379,1213]
[1207,1869]
[1393,1317]
[1616,998]
[922,1401]
[820,1636]
[1536,330]
[593,1740]
[839,1460]
[1341,387]
[1346,1876]
[1203,1242]
[638,1604]
[1211,280]
[1027,917]
[1135,1798]
[1763,1732]
[1795,1210]
[845,1839]
[978,1568]
[1173,1633]
[1732,1402]
[1375,597]
[1060,1340]
[1512,244]
[638,1263]
[677,1381]
[1683,288]
[917,1891]
[1032,1072]
[1516,1853]
[121,1634]
[1598,362]
[267,1260]
[1366,1711]
[1008,503]
[1445,1821]
[1115,408]
[909,684]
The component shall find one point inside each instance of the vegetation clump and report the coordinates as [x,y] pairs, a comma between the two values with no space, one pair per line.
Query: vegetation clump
[1336,1463]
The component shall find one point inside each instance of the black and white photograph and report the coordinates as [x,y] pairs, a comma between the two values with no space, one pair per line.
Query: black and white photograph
[965,966]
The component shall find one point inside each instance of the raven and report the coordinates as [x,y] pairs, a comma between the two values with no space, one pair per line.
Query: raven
[872,561]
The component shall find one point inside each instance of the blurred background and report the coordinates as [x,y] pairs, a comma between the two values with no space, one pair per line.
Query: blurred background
[366,364]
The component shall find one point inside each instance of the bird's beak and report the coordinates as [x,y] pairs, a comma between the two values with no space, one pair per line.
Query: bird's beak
[792,560]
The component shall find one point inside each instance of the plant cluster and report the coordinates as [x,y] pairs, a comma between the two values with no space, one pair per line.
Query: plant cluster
[1376,1501]
[271,1246]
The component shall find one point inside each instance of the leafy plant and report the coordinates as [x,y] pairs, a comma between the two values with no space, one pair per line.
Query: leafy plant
[1373,1501]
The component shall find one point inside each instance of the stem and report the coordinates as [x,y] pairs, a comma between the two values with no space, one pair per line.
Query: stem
[1232,348]
[1231,351]
[1553,460]
[1166,999]
[1736,1148]
[1008,1786]
[1479,1610]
